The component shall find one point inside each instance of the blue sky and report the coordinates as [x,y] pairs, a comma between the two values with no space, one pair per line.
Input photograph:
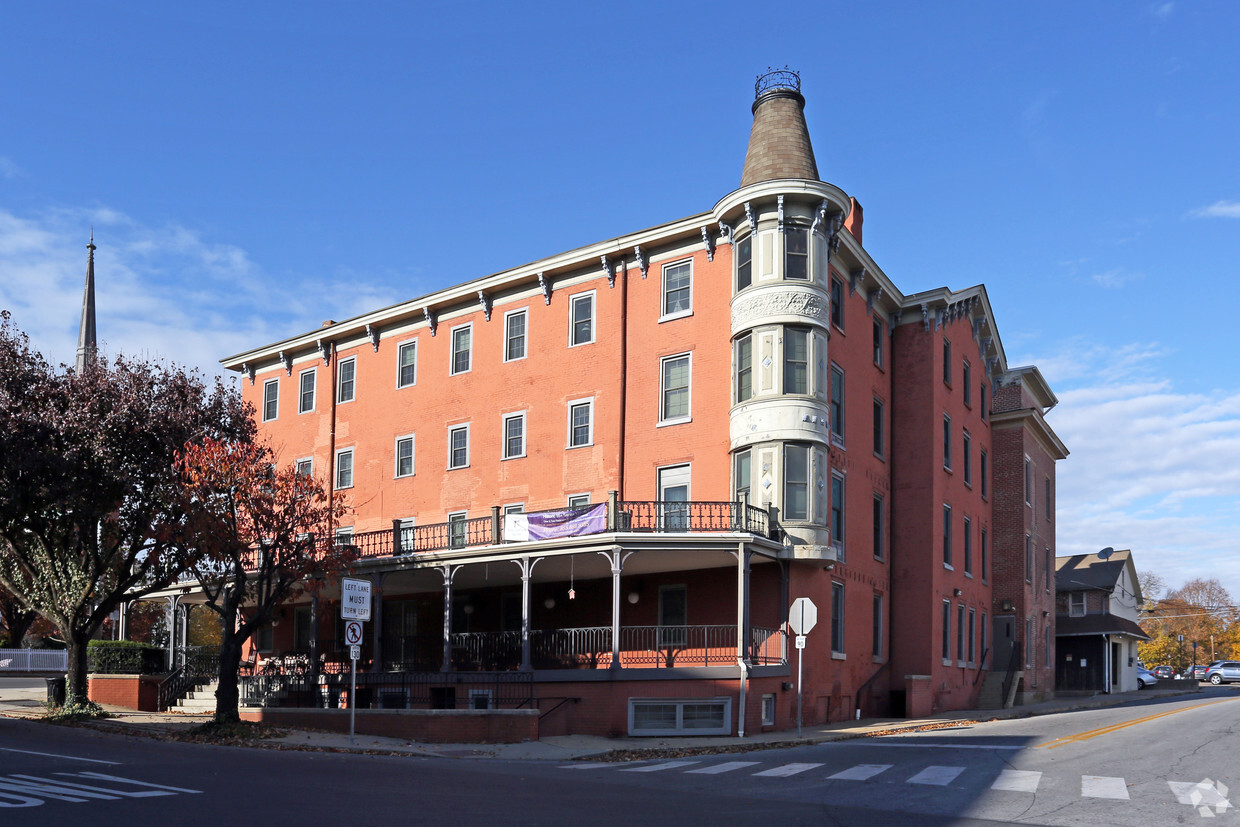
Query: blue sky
[253,169]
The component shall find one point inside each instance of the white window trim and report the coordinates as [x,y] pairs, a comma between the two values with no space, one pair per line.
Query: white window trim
[340,379]
[680,703]
[1072,611]
[352,469]
[572,403]
[504,435]
[513,508]
[524,311]
[413,453]
[298,462]
[676,420]
[413,343]
[572,497]
[314,394]
[679,314]
[452,371]
[572,304]
[451,429]
[266,384]
[768,699]
[464,520]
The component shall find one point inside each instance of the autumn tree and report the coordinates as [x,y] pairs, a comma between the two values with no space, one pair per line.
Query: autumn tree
[1202,611]
[15,618]
[264,536]
[90,512]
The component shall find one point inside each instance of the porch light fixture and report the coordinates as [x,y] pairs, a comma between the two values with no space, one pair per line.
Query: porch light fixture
[549,602]
[634,597]
[468,608]
[956,592]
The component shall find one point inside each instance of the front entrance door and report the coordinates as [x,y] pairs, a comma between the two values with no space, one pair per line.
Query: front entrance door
[1003,641]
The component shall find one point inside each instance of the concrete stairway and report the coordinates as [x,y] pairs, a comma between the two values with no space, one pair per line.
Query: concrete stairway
[199,701]
[990,696]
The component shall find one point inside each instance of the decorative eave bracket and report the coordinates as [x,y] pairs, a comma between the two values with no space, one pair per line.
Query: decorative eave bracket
[820,215]
[891,328]
[753,222]
[248,370]
[287,359]
[925,316]
[779,200]
[545,285]
[325,350]
[609,270]
[872,299]
[855,280]
[373,333]
[641,260]
[485,301]
[432,320]
[726,229]
[709,241]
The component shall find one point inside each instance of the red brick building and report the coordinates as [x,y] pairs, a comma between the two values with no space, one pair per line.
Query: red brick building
[595,483]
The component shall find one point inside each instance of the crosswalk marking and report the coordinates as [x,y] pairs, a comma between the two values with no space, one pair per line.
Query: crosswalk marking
[1204,795]
[667,765]
[861,772]
[1017,781]
[787,770]
[716,769]
[586,766]
[1103,786]
[937,776]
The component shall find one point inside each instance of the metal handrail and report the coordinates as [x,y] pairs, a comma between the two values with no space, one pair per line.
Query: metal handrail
[1013,667]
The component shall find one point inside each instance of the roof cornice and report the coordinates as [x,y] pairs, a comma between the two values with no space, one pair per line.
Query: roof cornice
[1032,419]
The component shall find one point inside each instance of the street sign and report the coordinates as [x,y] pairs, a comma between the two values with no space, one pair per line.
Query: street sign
[800,639]
[354,599]
[353,632]
[802,616]
[355,653]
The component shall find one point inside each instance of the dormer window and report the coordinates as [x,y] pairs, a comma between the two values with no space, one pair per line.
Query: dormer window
[1076,604]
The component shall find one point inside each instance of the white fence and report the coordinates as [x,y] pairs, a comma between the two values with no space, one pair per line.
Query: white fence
[33,660]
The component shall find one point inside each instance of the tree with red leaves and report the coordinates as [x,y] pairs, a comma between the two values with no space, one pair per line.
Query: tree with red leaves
[264,536]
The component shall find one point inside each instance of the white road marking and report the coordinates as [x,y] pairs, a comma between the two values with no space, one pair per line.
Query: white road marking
[1017,781]
[586,766]
[875,742]
[937,776]
[861,772]
[1204,795]
[53,755]
[716,769]
[667,765]
[71,786]
[118,779]
[787,770]
[1103,786]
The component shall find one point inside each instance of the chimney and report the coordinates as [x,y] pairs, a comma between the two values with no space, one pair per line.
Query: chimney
[855,216]
[779,145]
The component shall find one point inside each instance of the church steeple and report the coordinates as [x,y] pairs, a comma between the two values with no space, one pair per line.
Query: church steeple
[88,348]
[779,145]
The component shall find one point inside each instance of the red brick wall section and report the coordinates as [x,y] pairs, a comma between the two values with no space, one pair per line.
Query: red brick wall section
[139,692]
[433,726]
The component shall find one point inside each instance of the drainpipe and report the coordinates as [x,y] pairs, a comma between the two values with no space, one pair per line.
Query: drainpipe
[624,368]
[740,714]
[1106,663]
[331,450]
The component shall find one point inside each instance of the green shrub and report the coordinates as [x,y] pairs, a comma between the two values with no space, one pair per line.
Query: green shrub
[124,657]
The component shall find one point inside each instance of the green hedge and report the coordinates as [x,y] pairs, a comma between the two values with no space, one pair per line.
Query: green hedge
[124,657]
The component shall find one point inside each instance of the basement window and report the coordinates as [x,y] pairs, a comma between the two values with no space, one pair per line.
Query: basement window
[678,716]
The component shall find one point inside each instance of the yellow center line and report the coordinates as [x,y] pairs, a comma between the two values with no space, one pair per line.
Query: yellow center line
[1094,733]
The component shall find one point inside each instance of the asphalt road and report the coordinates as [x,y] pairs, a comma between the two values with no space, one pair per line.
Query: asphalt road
[1168,761]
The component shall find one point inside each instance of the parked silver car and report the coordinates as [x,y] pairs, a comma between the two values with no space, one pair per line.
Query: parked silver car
[1223,671]
[1145,678]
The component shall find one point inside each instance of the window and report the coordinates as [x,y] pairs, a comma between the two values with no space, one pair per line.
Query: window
[837,618]
[879,447]
[1046,569]
[1076,604]
[876,648]
[768,710]
[515,323]
[960,634]
[985,402]
[796,254]
[796,360]
[982,471]
[680,716]
[973,636]
[947,362]
[967,528]
[305,396]
[346,380]
[947,536]
[514,435]
[966,382]
[744,263]
[677,288]
[1028,559]
[796,482]
[947,633]
[742,476]
[344,468]
[674,389]
[578,500]
[407,364]
[1028,482]
[462,349]
[458,447]
[837,302]
[344,536]
[1046,500]
[837,514]
[457,527]
[744,368]
[305,467]
[837,406]
[966,448]
[271,399]
[1028,642]
[580,423]
[878,343]
[404,456]
[581,320]
[878,527]
[984,554]
[947,442]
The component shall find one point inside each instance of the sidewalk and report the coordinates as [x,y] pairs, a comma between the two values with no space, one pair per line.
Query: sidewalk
[578,747]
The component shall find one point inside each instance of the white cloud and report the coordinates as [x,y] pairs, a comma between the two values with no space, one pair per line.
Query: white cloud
[8,169]
[1219,209]
[1162,10]
[1116,278]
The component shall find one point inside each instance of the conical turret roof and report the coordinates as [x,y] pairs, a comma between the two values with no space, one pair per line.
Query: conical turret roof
[779,145]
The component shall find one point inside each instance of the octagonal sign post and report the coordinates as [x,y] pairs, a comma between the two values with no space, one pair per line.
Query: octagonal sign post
[802,616]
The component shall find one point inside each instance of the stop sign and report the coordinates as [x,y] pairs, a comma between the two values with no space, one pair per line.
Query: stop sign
[802,616]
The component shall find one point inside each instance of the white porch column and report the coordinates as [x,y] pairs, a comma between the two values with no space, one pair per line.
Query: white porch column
[527,569]
[448,572]
[743,634]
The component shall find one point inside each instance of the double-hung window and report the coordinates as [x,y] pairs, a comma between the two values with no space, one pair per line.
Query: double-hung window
[674,391]
[982,471]
[796,254]
[741,475]
[305,467]
[983,551]
[515,324]
[1076,604]
[346,380]
[744,263]
[458,447]
[878,343]
[580,423]
[947,632]
[796,360]
[678,289]
[876,648]
[837,302]
[344,468]
[879,429]
[966,459]
[456,529]
[966,526]
[271,399]
[462,349]
[947,362]
[837,618]
[744,368]
[947,536]
[947,442]
[879,522]
[796,482]
[966,382]
[837,514]
[305,391]
[514,435]
[407,364]
[581,319]
[404,456]
[837,406]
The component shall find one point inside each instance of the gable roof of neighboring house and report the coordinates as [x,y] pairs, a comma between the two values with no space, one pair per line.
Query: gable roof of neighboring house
[1089,572]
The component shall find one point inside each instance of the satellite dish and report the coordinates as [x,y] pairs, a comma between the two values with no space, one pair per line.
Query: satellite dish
[1105,553]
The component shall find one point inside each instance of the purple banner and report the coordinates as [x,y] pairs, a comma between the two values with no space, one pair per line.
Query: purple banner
[547,525]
